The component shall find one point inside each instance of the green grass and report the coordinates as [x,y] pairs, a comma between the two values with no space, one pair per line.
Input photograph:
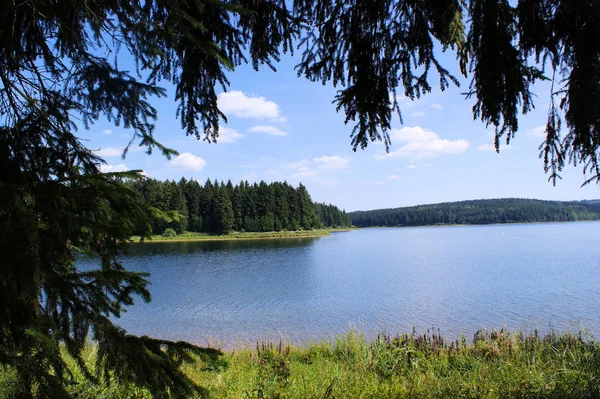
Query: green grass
[493,365]
[189,236]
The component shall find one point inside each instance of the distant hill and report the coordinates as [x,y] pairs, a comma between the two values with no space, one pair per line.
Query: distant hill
[487,211]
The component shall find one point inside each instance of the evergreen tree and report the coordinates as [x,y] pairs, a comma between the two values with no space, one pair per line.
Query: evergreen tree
[281,206]
[308,217]
[191,192]
[222,213]
[293,201]
[178,204]
[56,201]
[206,204]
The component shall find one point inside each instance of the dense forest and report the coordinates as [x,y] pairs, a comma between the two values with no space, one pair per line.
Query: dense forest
[216,207]
[509,210]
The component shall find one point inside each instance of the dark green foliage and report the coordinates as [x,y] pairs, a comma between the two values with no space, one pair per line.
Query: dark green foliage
[169,232]
[47,303]
[222,213]
[59,67]
[219,208]
[511,210]
[330,215]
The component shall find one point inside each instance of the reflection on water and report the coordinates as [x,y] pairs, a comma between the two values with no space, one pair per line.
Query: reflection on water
[150,248]
[458,279]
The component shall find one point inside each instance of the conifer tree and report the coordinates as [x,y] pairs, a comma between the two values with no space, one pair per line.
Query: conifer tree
[222,212]
[60,70]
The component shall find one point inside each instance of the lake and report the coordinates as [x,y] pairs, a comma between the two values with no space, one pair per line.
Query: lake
[457,279]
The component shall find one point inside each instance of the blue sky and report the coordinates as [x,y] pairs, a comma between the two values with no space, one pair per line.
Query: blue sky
[282,127]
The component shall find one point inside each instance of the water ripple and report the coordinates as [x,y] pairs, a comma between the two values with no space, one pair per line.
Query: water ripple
[458,279]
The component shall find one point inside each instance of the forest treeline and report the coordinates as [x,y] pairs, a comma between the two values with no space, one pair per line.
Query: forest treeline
[509,210]
[218,207]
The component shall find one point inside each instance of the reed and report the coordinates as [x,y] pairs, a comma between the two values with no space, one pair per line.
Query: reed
[495,364]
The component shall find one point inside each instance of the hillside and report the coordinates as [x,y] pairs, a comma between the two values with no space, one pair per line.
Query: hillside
[506,210]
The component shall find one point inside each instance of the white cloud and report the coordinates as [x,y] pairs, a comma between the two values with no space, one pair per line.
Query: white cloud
[437,106]
[302,168]
[109,152]
[417,113]
[297,164]
[227,135]
[394,177]
[538,131]
[332,162]
[412,166]
[266,129]
[378,182]
[187,161]
[305,171]
[113,168]
[107,131]
[317,167]
[417,143]
[237,103]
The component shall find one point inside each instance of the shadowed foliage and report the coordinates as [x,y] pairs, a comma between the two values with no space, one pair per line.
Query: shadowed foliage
[60,70]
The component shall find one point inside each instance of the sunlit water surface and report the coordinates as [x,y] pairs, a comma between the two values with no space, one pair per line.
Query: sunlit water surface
[458,279]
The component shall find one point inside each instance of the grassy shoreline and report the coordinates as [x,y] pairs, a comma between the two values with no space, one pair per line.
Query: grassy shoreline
[493,365]
[189,236]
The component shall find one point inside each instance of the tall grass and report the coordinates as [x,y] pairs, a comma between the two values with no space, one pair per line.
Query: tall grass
[494,364]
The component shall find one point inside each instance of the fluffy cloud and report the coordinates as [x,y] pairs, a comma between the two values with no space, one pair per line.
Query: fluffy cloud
[316,168]
[109,152]
[113,168]
[417,143]
[107,131]
[237,103]
[437,106]
[379,182]
[394,177]
[332,162]
[187,161]
[266,129]
[302,168]
[227,135]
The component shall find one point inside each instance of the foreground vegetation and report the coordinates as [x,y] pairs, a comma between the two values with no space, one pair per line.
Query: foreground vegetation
[493,365]
[506,210]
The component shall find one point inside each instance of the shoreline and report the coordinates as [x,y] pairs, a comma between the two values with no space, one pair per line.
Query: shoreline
[194,237]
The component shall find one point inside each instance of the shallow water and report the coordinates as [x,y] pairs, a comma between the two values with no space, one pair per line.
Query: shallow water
[458,279]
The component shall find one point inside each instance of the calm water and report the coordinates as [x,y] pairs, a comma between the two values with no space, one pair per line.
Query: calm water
[458,279]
